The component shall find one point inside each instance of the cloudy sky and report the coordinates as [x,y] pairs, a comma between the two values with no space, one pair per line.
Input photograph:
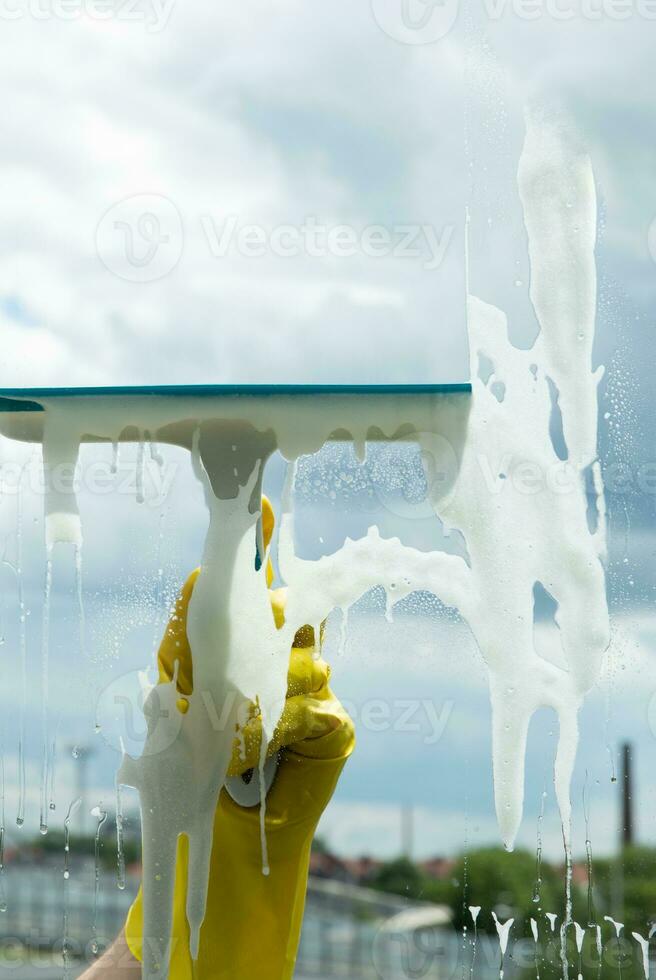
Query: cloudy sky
[276,192]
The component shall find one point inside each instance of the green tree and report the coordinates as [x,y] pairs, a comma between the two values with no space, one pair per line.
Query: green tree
[400,877]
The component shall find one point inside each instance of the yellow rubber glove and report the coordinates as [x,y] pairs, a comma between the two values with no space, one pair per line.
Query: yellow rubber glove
[253,923]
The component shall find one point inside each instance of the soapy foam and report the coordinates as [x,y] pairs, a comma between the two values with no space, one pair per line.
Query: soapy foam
[617,926]
[644,949]
[534,930]
[503,932]
[515,536]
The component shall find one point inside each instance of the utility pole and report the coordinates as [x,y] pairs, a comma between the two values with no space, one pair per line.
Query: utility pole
[626,836]
[407,831]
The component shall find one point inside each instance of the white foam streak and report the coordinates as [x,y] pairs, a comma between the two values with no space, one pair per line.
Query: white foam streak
[503,931]
[644,949]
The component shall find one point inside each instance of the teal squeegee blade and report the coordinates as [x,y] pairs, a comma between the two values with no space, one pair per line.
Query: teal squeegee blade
[27,399]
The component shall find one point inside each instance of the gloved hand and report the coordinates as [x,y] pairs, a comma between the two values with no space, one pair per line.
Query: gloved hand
[252,923]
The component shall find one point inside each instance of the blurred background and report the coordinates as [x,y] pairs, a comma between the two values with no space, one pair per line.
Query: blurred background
[277,193]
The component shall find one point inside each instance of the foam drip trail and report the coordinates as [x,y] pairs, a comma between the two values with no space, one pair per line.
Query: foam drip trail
[580,935]
[538,852]
[465,885]
[644,949]
[534,931]
[599,946]
[67,875]
[474,912]
[101,817]
[503,931]
[567,919]
[155,454]
[53,759]
[139,475]
[45,687]
[120,856]
[20,814]
[80,598]
[3,898]
[263,838]
[588,856]
[618,926]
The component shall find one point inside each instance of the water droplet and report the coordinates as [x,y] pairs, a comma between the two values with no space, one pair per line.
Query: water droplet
[67,875]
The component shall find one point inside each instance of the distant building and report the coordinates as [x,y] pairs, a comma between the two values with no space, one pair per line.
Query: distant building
[437,867]
[362,869]
[323,864]
[352,871]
